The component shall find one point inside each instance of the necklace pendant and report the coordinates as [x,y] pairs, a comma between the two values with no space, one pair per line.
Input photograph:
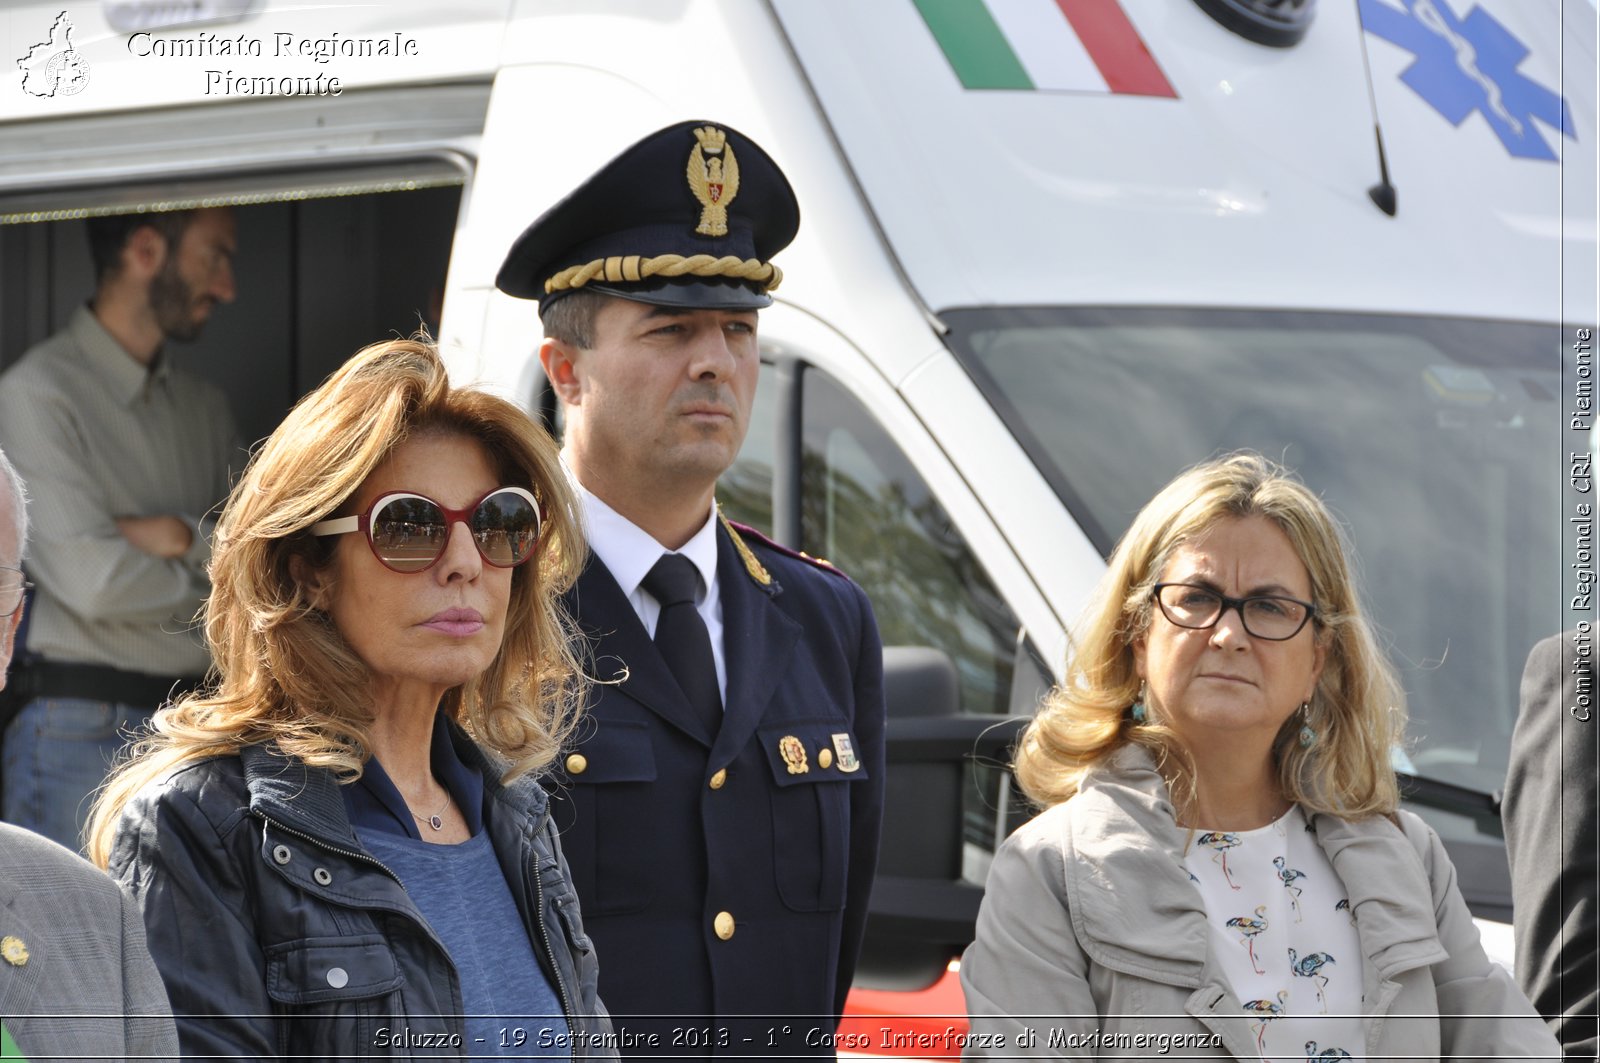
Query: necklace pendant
[436,822]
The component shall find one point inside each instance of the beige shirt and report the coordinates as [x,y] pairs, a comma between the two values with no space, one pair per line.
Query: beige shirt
[97,436]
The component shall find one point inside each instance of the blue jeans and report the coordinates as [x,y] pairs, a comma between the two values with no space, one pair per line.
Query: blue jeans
[57,753]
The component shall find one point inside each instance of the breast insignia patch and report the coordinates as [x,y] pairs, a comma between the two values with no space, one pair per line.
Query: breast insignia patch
[847,752]
[794,755]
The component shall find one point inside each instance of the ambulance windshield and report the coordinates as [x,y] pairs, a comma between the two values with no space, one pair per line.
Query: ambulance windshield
[1437,441]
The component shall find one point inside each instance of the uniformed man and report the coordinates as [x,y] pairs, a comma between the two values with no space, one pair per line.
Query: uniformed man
[722,804]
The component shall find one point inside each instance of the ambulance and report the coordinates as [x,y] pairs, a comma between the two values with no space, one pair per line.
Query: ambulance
[1051,253]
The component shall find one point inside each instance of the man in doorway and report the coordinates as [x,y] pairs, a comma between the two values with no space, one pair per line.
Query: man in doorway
[126,454]
[721,807]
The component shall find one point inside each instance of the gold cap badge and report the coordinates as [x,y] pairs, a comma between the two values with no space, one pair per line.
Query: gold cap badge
[794,754]
[14,951]
[713,181]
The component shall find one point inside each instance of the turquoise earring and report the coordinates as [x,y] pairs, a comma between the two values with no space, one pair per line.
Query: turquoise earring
[1308,735]
[1137,711]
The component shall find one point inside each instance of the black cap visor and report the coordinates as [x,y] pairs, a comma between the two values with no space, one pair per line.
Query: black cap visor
[698,293]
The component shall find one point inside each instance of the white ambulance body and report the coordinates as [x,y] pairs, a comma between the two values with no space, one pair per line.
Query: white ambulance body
[1051,253]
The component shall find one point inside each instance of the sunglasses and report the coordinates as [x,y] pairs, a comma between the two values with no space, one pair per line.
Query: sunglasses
[408,532]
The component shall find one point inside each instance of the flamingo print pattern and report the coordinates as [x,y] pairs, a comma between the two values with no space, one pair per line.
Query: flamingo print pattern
[1287,875]
[1221,842]
[1274,891]
[1311,967]
[1266,1011]
[1248,928]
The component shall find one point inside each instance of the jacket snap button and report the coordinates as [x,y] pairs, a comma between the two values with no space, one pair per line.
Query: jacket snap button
[723,925]
[280,853]
[323,878]
[338,977]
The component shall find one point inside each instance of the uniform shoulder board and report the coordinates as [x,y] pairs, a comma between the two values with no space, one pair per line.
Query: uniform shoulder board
[740,532]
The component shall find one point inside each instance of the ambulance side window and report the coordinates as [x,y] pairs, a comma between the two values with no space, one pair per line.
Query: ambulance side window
[864,508]
[745,491]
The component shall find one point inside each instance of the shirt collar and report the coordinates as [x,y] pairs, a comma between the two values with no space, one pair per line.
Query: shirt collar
[375,803]
[125,378]
[629,552]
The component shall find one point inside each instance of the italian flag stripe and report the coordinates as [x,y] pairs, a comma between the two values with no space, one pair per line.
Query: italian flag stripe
[972,41]
[1118,50]
[1062,45]
[1050,51]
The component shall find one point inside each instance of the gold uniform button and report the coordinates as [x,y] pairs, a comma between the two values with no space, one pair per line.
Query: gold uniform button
[719,779]
[577,764]
[825,759]
[723,925]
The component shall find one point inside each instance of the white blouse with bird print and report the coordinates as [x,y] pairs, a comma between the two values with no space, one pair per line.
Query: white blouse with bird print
[1283,935]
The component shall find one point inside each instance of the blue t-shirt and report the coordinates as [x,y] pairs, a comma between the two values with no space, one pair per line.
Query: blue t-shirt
[511,1008]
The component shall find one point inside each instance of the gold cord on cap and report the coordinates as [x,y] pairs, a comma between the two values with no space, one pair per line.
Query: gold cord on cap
[631,268]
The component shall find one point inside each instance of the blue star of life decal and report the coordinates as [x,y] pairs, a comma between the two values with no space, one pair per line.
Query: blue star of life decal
[1467,65]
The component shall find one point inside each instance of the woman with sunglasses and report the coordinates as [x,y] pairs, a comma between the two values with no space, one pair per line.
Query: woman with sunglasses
[342,850]
[1222,869]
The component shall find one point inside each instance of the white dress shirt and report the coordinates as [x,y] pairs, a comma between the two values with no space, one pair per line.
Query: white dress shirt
[629,553]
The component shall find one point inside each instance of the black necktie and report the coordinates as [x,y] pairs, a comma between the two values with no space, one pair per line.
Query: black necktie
[682,638]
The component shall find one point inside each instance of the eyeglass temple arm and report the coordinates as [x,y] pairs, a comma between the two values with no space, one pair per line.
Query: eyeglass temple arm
[336,526]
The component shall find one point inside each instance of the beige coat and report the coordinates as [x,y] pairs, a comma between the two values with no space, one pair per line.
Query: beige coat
[1090,928]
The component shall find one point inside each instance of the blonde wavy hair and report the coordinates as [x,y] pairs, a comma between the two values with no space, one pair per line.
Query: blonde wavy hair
[1357,709]
[281,670]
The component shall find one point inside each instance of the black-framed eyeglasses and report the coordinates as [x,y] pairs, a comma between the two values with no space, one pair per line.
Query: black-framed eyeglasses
[1266,616]
[408,532]
[12,588]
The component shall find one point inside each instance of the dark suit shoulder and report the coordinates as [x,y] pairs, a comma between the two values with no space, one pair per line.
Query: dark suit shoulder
[777,556]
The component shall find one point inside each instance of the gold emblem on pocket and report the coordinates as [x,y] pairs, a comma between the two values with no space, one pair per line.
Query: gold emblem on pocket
[14,951]
[794,754]
[847,753]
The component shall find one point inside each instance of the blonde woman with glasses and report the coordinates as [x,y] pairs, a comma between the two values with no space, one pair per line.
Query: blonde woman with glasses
[1222,870]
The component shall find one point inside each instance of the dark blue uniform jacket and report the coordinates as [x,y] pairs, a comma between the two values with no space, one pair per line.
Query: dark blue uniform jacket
[724,877]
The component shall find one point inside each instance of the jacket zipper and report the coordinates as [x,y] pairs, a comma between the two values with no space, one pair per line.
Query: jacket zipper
[549,952]
[319,843]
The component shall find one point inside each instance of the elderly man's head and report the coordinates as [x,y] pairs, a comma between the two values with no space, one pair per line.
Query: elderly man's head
[13,538]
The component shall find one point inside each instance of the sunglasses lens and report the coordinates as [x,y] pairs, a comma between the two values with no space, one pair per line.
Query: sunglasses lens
[408,533]
[506,527]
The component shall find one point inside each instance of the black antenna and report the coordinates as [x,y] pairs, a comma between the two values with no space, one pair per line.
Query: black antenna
[1382,194]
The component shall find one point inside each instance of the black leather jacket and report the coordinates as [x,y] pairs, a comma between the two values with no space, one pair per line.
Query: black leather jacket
[277,934]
